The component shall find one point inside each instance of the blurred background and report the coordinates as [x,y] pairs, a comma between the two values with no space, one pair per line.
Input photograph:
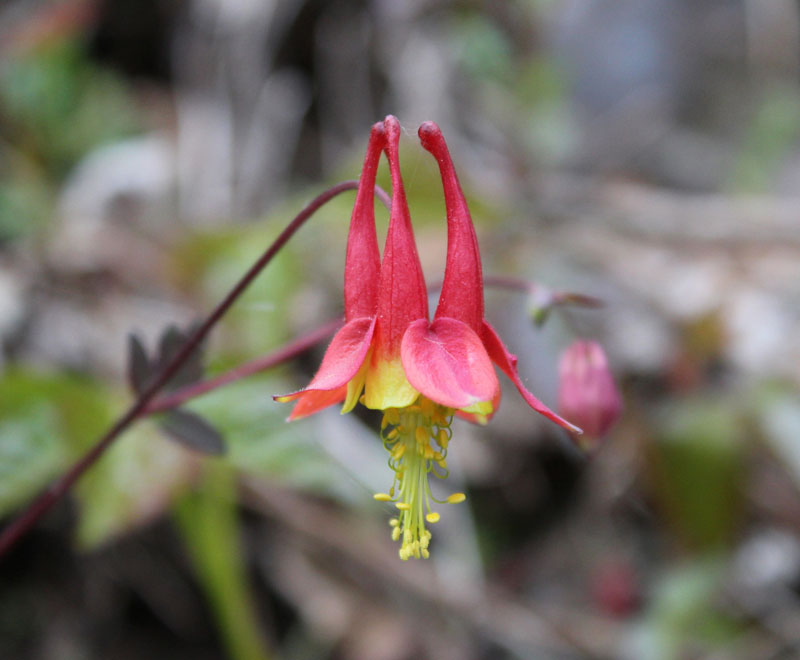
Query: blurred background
[646,152]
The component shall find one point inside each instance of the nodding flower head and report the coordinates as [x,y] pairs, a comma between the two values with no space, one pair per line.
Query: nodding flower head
[391,357]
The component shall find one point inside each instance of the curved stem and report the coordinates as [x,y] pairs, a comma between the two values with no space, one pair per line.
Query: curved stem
[511,283]
[287,352]
[532,288]
[526,286]
[41,505]
[580,299]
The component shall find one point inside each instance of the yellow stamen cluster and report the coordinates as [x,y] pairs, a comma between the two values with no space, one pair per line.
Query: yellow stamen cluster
[416,438]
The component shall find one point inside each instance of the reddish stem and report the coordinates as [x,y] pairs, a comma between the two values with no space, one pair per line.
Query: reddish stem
[526,286]
[41,505]
[512,283]
[287,352]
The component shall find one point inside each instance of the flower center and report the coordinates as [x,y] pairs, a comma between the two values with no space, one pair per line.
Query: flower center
[416,438]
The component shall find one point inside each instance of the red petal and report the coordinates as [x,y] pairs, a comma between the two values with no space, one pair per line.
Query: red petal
[447,363]
[462,289]
[313,401]
[508,363]
[342,360]
[363,261]
[403,297]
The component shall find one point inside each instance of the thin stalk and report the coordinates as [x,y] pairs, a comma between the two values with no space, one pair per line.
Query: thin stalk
[511,283]
[41,505]
[532,288]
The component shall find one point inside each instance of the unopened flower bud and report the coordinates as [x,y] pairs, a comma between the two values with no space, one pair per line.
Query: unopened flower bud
[587,395]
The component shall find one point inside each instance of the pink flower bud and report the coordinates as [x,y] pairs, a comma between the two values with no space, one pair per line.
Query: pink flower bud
[616,588]
[587,395]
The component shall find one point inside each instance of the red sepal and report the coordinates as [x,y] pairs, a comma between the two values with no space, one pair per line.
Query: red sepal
[462,288]
[343,358]
[363,261]
[508,363]
[403,297]
[313,401]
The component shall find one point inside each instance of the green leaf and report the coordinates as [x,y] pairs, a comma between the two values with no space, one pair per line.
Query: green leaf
[138,364]
[698,469]
[207,520]
[31,454]
[134,482]
[259,440]
[216,260]
[45,419]
[46,89]
[171,343]
[193,431]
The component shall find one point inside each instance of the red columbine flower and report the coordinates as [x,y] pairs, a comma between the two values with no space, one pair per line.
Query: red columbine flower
[587,392]
[419,373]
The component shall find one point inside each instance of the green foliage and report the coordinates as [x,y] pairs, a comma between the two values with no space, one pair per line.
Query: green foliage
[683,614]
[483,49]
[52,87]
[30,455]
[192,431]
[48,420]
[134,481]
[542,95]
[699,463]
[771,138]
[57,106]
[207,519]
[214,261]
[44,418]
[24,203]
[259,440]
